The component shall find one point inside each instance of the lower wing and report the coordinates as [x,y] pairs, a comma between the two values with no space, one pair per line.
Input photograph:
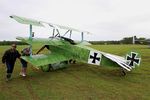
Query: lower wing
[45,59]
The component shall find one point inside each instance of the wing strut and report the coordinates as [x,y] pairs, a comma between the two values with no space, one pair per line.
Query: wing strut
[70,34]
[30,37]
[82,36]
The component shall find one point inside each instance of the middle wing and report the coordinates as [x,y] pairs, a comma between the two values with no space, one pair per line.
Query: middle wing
[43,41]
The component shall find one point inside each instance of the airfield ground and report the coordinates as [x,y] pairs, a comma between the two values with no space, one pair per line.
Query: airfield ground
[80,81]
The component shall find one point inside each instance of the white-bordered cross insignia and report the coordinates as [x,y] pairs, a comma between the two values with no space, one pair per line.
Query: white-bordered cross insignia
[94,57]
[133,59]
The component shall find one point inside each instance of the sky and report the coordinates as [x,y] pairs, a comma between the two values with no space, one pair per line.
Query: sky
[104,19]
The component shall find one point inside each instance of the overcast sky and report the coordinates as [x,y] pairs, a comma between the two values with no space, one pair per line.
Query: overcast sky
[105,19]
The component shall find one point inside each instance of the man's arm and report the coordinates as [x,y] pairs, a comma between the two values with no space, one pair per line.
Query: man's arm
[18,55]
[4,57]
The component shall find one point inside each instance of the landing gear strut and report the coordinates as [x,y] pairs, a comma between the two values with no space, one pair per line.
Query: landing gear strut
[51,67]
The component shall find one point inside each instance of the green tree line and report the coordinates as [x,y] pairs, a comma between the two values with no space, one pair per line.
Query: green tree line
[126,40]
[11,42]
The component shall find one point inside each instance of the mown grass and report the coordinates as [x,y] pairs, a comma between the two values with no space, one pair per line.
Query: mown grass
[80,81]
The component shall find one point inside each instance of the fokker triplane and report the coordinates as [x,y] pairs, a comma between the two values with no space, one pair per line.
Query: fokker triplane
[64,50]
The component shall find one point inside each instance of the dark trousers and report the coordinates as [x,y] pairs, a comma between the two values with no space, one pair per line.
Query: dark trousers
[24,63]
[10,67]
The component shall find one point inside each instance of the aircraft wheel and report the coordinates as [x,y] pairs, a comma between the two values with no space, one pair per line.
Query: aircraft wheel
[71,61]
[74,61]
[46,68]
[59,65]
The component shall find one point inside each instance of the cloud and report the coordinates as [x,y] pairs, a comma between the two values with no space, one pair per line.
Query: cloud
[106,19]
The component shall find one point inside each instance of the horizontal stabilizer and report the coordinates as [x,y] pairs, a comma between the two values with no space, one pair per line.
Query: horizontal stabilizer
[119,60]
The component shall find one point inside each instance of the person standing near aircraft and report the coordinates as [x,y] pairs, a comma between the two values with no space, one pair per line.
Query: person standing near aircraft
[25,52]
[9,58]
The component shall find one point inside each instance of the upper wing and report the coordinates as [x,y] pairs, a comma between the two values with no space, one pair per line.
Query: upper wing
[23,20]
[66,27]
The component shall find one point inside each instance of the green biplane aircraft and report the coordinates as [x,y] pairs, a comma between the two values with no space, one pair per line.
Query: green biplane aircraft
[64,50]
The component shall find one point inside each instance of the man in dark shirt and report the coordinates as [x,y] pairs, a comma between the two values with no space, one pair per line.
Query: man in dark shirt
[9,58]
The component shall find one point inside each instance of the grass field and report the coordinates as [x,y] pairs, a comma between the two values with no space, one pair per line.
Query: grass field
[80,81]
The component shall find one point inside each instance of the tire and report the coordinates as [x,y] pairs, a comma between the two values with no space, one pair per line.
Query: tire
[59,65]
[46,68]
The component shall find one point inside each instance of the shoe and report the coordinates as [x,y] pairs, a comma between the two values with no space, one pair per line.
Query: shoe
[8,79]
[23,75]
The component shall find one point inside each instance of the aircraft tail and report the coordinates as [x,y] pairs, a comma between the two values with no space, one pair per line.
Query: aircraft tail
[128,63]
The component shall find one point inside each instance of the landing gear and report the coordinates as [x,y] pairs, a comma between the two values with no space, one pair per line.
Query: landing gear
[71,61]
[46,68]
[55,66]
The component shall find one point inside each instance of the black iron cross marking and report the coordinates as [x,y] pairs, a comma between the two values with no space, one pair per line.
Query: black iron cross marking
[94,57]
[133,59]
